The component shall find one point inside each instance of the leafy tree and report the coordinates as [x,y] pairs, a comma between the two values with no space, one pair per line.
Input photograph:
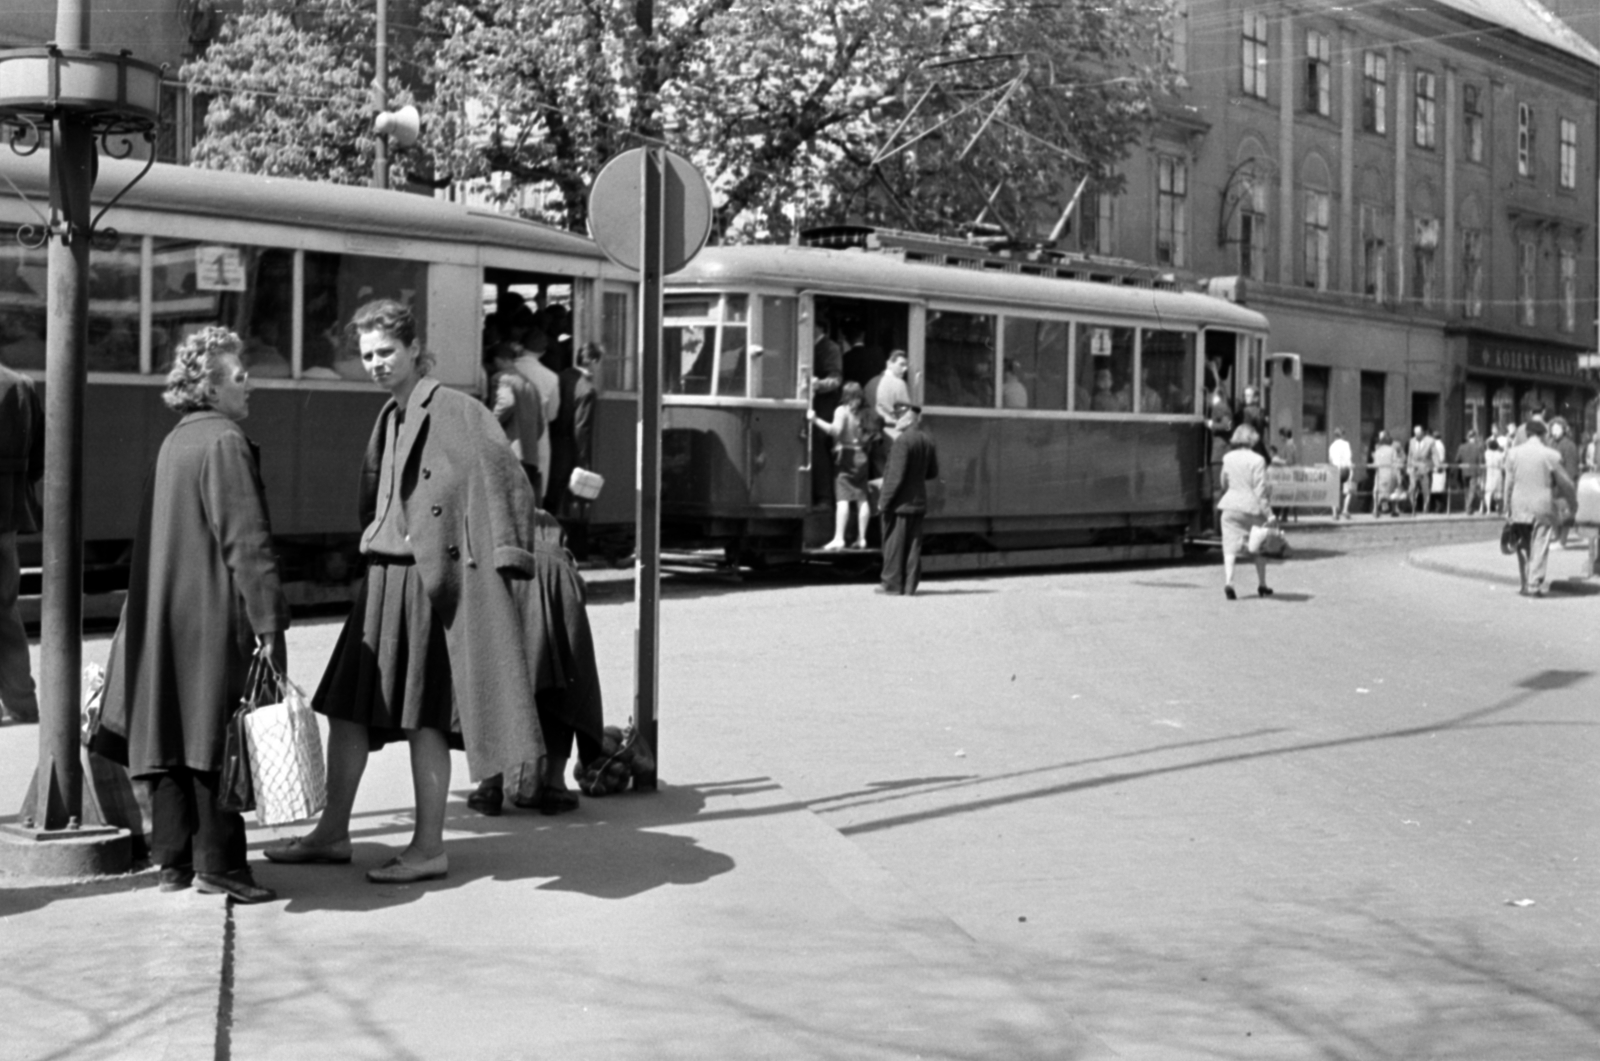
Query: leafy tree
[994,106]
[290,91]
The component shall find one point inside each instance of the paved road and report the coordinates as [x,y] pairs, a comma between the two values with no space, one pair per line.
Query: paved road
[1063,815]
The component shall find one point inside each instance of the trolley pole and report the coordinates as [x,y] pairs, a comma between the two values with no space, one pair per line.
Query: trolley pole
[647,573]
[380,94]
[58,784]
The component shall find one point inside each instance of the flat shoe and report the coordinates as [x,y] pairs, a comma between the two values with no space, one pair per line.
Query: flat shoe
[1227,591]
[1263,591]
[175,878]
[395,871]
[298,852]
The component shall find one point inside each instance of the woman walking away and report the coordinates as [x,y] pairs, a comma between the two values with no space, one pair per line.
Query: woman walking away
[434,651]
[1243,506]
[1387,462]
[203,598]
[850,460]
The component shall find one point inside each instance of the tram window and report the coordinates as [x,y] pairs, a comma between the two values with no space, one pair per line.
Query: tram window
[732,362]
[616,331]
[23,274]
[687,351]
[1035,372]
[246,289]
[959,360]
[1105,369]
[776,370]
[336,285]
[1166,367]
[114,307]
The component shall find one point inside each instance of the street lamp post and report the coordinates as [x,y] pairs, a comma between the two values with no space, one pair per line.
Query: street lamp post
[67,99]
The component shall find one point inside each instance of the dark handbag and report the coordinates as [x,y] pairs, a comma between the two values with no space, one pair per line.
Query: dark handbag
[237,790]
[1508,539]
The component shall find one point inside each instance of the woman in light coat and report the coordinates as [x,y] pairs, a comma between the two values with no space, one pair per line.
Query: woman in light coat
[1244,505]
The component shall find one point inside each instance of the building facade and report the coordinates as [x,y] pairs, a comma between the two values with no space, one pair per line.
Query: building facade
[1407,190]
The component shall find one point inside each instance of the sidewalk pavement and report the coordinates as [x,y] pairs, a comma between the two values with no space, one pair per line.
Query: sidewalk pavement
[717,918]
[1567,573]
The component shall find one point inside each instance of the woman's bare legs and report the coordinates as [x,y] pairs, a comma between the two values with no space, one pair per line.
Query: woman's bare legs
[841,515]
[347,761]
[861,523]
[1228,560]
[1261,570]
[430,782]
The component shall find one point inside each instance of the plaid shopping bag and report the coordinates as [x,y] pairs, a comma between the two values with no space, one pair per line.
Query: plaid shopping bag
[286,763]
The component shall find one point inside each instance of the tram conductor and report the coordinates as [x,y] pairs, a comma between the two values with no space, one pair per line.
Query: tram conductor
[903,501]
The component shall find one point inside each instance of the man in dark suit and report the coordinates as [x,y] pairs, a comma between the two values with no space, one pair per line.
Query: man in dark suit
[572,446]
[903,501]
[21,468]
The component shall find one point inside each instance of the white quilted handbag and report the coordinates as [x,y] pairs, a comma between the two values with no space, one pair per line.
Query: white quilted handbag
[286,764]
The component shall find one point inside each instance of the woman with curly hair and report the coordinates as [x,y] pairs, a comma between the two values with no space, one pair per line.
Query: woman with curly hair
[1243,506]
[443,647]
[203,598]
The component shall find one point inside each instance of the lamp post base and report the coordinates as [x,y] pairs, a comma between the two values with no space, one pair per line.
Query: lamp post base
[92,851]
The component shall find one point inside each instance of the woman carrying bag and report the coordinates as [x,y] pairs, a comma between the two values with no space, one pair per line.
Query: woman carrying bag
[1243,506]
[203,601]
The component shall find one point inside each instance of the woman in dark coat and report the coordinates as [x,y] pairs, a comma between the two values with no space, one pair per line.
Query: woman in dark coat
[437,650]
[203,598]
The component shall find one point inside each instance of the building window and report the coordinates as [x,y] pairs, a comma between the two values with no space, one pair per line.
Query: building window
[1426,109]
[1425,244]
[1172,211]
[1096,223]
[1375,94]
[1313,403]
[1375,255]
[1569,291]
[1316,240]
[1472,271]
[1472,122]
[1319,74]
[1527,259]
[1255,54]
[1253,233]
[1524,140]
[1569,153]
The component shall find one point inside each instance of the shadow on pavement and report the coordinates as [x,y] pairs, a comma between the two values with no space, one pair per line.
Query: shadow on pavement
[607,849]
[1531,686]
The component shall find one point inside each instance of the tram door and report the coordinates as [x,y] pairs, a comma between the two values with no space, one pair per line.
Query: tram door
[858,334]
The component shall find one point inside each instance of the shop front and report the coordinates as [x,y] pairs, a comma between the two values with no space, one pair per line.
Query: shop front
[1508,380]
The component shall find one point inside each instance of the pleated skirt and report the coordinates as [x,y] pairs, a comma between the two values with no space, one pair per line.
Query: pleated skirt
[390,670]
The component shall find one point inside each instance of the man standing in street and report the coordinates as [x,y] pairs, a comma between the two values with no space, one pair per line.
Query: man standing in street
[21,468]
[1340,457]
[1534,480]
[572,446]
[1419,465]
[1469,458]
[903,501]
[529,343]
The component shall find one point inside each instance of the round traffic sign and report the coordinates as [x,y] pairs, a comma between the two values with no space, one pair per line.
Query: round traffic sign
[616,208]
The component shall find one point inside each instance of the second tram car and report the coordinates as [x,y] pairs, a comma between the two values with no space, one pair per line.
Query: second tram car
[1066,395]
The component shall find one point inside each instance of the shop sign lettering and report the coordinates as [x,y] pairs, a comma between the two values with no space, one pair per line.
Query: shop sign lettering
[1524,361]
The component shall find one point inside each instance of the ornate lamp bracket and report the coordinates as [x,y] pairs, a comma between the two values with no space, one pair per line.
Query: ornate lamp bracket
[117,96]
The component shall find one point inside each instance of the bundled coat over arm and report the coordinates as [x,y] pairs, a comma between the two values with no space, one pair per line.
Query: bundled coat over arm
[203,584]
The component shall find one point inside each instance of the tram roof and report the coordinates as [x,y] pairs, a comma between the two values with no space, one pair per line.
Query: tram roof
[287,201]
[875,274]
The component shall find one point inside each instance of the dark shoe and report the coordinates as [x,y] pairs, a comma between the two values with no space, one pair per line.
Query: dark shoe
[553,801]
[488,800]
[1227,591]
[237,884]
[1263,591]
[297,852]
[176,878]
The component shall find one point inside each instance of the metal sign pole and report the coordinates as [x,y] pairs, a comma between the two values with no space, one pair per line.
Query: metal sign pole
[647,574]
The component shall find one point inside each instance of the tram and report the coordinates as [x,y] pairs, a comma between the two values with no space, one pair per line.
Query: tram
[1065,394]
[285,263]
